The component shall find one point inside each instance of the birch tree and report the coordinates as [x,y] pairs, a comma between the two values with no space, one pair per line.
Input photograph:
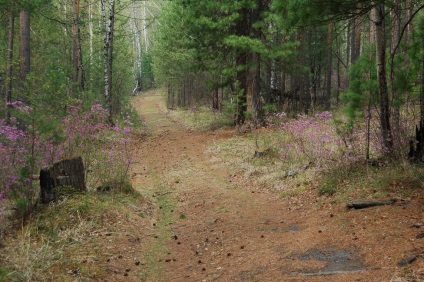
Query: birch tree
[137,43]
[108,16]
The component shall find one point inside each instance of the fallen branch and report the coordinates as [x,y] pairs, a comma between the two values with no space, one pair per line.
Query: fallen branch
[359,204]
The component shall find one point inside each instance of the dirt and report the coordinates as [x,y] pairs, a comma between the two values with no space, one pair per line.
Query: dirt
[205,224]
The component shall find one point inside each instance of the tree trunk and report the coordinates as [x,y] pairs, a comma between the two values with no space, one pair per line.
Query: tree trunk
[106,54]
[338,71]
[256,71]
[241,76]
[352,41]
[380,42]
[329,66]
[137,42]
[355,39]
[304,97]
[146,41]
[348,40]
[9,67]
[108,25]
[357,45]
[215,95]
[393,52]
[114,105]
[78,78]
[283,79]
[24,50]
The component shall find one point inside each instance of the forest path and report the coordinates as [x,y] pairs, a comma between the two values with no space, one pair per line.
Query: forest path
[209,226]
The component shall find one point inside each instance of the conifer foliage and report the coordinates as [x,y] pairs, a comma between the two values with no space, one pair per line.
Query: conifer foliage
[256,56]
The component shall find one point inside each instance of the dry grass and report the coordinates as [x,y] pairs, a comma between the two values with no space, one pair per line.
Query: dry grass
[267,170]
[62,235]
[198,117]
[272,172]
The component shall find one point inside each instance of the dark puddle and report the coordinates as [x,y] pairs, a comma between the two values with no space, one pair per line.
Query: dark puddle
[337,261]
[294,227]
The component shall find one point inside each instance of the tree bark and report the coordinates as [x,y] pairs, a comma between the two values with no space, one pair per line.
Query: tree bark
[283,78]
[241,76]
[393,52]
[9,66]
[215,95]
[24,48]
[377,16]
[348,40]
[78,78]
[137,42]
[255,69]
[355,39]
[329,65]
[357,45]
[108,29]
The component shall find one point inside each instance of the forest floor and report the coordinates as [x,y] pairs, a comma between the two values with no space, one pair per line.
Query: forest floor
[213,225]
[198,218]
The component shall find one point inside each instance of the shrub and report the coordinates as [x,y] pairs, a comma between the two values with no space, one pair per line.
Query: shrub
[26,147]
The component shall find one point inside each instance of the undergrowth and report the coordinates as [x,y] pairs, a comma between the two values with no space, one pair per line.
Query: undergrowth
[200,118]
[62,235]
[33,140]
[313,153]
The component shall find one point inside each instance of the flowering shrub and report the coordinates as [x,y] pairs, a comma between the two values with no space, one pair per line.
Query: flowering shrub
[103,148]
[13,154]
[318,139]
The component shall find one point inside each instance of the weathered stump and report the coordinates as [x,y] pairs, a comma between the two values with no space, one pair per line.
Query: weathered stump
[68,173]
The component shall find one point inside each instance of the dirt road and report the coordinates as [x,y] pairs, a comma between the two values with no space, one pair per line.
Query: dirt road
[208,225]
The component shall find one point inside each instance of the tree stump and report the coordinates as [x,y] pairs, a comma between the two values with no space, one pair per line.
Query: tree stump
[69,173]
[416,148]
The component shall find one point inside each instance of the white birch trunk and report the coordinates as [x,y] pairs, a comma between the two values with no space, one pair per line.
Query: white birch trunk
[146,42]
[137,40]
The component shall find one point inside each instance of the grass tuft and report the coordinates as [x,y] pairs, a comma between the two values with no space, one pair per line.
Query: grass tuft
[59,236]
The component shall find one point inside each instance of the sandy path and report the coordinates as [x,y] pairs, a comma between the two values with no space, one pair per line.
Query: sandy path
[212,228]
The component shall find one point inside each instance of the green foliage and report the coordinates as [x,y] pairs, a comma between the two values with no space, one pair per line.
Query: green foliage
[6,274]
[270,108]
[22,206]
[329,187]
[147,71]
[363,86]
[416,55]
[314,12]
[207,37]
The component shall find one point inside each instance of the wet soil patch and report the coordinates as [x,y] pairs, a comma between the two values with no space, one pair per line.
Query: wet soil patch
[337,261]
